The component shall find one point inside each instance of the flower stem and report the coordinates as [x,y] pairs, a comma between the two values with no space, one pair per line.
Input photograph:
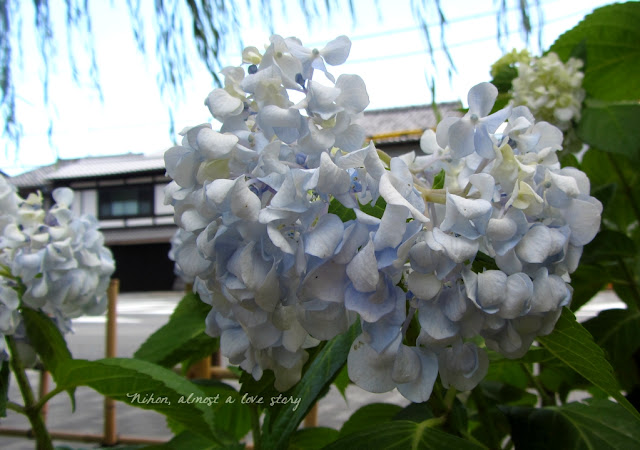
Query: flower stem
[546,399]
[449,398]
[48,396]
[384,157]
[16,407]
[431,195]
[255,426]
[43,439]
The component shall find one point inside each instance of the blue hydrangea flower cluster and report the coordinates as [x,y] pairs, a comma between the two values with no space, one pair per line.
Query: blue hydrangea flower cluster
[56,257]
[474,237]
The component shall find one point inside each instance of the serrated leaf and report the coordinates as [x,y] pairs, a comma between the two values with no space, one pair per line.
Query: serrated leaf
[4,387]
[281,422]
[599,424]
[231,416]
[402,435]
[200,347]
[46,339]
[611,39]
[49,344]
[571,343]
[182,337]
[368,416]
[617,331]
[144,385]
[312,438]
[611,127]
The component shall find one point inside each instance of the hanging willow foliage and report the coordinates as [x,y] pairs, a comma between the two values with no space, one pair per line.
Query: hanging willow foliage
[177,25]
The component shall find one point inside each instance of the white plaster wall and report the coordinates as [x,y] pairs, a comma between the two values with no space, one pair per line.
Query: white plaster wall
[159,207]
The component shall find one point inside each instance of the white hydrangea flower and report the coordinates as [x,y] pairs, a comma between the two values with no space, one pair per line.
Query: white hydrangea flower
[59,258]
[258,204]
[551,89]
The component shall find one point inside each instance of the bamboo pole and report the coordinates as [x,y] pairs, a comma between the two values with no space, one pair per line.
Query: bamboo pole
[42,391]
[221,373]
[82,437]
[201,369]
[312,418]
[110,425]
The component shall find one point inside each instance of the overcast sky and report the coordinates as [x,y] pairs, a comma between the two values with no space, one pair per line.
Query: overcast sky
[388,52]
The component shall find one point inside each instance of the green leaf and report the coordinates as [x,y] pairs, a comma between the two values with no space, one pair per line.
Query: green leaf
[536,355]
[182,337]
[258,388]
[438,180]
[415,412]
[458,421]
[402,435]
[587,281]
[611,127]
[46,339]
[561,379]
[342,381]
[617,331]
[505,393]
[608,245]
[312,438]
[368,416]
[144,385]
[49,344]
[279,423]
[4,387]
[231,416]
[200,347]
[376,210]
[345,214]
[189,441]
[510,372]
[599,424]
[483,262]
[611,39]
[503,80]
[574,346]
[569,160]
[610,170]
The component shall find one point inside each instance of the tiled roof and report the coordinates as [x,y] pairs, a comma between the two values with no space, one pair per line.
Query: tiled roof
[404,123]
[111,165]
[90,167]
[390,125]
[39,177]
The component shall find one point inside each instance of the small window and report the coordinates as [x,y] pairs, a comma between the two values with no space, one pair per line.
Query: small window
[125,201]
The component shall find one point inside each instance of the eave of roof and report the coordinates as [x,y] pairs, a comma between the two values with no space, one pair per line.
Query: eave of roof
[382,126]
